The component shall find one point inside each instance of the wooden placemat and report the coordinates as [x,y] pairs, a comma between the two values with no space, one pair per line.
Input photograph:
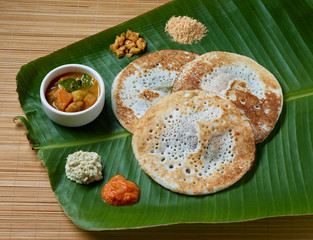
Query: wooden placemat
[28,207]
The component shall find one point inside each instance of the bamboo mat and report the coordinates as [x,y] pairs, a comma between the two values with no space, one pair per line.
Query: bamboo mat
[28,208]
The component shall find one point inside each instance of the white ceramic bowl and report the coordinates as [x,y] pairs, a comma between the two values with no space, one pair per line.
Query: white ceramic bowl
[72,119]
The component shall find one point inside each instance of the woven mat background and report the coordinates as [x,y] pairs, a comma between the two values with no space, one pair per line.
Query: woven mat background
[30,29]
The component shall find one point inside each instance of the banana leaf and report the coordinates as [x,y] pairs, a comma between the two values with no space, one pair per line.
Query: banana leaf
[277,34]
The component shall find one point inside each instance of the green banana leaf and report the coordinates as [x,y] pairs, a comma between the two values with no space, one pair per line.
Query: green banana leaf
[277,34]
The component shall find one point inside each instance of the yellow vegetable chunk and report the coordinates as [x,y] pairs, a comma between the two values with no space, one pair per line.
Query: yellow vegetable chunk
[75,106]
[90,99]
[79,95]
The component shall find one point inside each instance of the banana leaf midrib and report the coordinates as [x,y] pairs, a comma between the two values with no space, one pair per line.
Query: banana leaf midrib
[80,142]
[298,94]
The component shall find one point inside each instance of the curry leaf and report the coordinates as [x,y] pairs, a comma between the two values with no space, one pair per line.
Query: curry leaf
[70,84]
[277,34]
[86,81]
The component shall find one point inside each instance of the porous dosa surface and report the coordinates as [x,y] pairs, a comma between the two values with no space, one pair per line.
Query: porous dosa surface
[144,81]
[251,87]
[194,142]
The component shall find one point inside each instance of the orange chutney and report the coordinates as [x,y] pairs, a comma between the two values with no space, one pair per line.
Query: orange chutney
[118,191]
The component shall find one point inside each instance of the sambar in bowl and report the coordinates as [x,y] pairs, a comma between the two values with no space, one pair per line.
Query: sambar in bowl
[72,95]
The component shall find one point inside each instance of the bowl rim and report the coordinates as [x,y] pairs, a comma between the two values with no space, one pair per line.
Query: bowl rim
[80,68]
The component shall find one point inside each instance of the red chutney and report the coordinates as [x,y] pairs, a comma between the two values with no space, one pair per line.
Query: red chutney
[118,191]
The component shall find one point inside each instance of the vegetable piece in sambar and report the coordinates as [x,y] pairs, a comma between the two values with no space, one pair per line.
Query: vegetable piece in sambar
[73,92]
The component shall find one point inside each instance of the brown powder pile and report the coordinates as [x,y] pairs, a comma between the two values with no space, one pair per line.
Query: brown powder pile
[185,30]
